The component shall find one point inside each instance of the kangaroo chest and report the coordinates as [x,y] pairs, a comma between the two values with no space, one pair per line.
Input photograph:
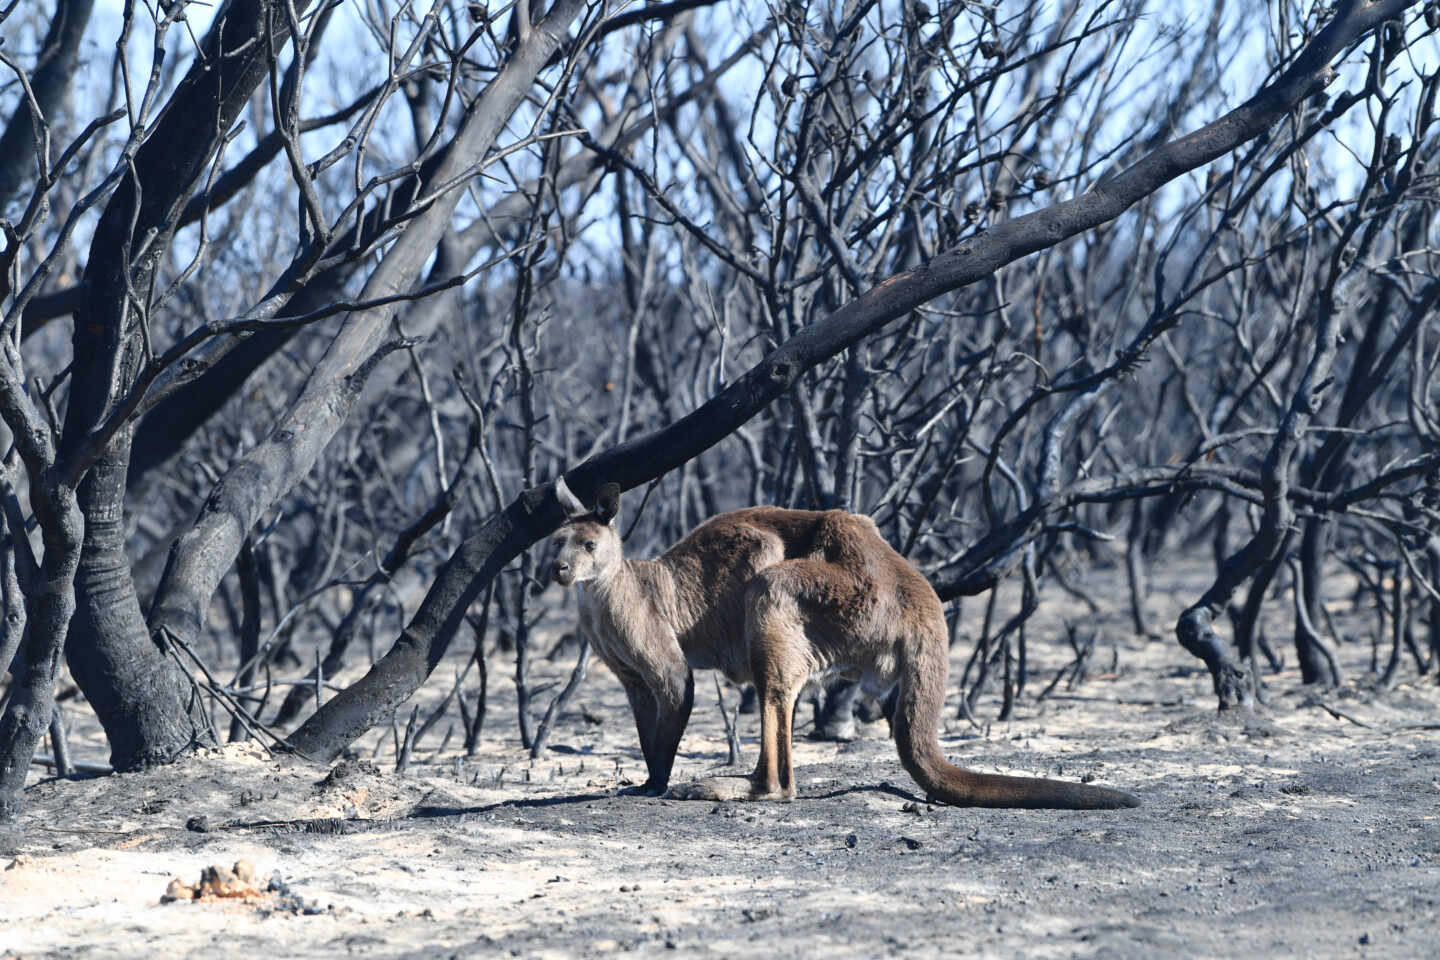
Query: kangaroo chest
[631,636]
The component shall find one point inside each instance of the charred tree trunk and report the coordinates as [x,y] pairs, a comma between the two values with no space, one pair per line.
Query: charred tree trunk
[141,696]
[12,630]
[1247,620]
[50,82]
[1135,569]
[835,719]
[49,604]
[376,696]
[1317,661]
[249,634]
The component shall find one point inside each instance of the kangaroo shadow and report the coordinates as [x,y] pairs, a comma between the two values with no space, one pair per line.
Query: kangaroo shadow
[886,787]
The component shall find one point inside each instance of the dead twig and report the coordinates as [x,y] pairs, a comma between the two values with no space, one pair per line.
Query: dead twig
[1337,714]
[732,724]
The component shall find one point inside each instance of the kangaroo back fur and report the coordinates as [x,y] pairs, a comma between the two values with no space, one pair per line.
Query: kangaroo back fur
[772,596]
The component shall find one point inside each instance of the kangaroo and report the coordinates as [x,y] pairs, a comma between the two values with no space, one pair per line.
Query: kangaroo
[772,596]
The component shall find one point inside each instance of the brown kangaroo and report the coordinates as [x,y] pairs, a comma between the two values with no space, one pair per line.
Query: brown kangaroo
[771,596]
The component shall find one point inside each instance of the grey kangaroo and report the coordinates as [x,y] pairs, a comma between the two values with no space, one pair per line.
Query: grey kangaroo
[771,596]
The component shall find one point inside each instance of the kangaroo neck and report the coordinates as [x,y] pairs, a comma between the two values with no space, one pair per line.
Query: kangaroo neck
[631,592]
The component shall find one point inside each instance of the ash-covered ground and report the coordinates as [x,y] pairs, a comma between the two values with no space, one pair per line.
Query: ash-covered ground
[1311,828]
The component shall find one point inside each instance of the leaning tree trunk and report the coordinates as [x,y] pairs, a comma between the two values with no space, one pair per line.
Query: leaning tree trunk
[1195,628]
[1247,618]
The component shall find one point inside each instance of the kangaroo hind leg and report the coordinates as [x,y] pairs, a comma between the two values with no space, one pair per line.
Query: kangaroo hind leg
[781,659]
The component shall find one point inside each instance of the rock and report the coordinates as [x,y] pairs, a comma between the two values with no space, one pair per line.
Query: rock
[218,881]
[177,890]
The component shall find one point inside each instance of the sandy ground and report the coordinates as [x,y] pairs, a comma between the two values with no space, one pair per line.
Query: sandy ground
[1296,832]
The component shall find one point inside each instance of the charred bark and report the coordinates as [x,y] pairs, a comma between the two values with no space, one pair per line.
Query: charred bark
[140,695]
[50,82]
[49,601]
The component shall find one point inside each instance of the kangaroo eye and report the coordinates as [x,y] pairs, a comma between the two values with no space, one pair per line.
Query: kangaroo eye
[590,546]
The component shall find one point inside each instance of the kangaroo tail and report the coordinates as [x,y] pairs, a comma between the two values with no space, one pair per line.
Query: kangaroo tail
[917,717]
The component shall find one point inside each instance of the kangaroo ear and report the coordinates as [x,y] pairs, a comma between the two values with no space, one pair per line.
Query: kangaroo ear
[571,503]
[607,504]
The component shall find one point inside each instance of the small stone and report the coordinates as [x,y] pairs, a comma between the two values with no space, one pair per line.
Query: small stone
[177,890]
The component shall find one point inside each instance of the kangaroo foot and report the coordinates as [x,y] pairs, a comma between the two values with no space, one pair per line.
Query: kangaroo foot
[728,788]
[647,789]
[841,731]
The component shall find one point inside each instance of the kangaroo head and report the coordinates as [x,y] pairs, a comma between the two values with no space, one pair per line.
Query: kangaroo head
[588,546]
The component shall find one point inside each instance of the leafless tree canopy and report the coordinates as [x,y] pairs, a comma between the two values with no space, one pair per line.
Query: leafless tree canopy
[307,304]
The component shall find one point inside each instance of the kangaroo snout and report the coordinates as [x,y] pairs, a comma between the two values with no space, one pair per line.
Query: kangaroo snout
[560,573]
